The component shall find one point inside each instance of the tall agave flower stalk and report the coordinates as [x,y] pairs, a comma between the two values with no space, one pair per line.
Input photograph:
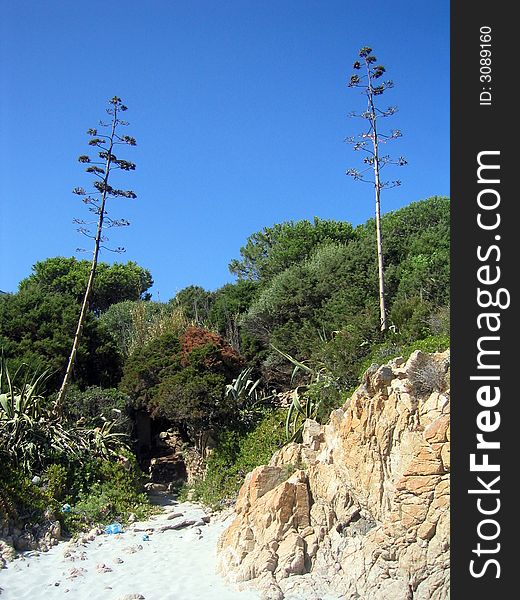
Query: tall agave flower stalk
[97,202]
[369,142]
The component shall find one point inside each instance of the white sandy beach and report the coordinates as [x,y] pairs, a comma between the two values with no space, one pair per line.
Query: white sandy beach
[170,565]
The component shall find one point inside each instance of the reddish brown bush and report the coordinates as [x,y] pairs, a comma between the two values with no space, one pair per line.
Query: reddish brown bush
[219,354]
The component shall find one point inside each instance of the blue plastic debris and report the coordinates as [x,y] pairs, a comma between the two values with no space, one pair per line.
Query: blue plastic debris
[66,508]
[113,528]
[146,538]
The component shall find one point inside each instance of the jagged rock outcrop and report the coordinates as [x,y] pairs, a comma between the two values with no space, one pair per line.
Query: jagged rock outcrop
[360,509]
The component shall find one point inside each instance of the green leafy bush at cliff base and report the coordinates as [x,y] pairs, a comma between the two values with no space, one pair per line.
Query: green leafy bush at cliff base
[96,405]
[103,491]
[20,499]
[99,492]
[235,455]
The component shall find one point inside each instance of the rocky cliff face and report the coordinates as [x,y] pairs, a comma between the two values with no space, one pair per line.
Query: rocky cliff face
[360,509]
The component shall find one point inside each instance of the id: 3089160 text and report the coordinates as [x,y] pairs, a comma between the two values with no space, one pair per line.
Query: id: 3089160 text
[485,66]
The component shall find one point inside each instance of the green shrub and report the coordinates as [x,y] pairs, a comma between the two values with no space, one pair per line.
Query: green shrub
[99,492]
[102,491]
[411,318]
[440,323]
[236,455]
[326,397]
[20,499]
[389,350]
[342,354]
[54,480]
[183,379]
[96,405]
[132,324]
[432,343]
[195,303]
[257,446]
[190,396]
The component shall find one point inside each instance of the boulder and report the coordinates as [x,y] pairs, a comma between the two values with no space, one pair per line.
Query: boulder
[366,513]
[7,552]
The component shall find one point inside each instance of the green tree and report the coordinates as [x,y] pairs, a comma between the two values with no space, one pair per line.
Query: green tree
[369,143]
[37,328]
[195,302]
[230,302]
[292,312]
[274,249]
[183,379]
[114,283]
[417,249]
[97,203]
[304,307]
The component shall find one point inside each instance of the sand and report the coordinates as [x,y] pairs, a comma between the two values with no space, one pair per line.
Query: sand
[170,565]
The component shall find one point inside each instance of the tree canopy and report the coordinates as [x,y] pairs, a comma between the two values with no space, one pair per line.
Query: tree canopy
[274,249]
[182,378]
[114,283]
[304,307]
[37,327]
[196,303]
[37,323]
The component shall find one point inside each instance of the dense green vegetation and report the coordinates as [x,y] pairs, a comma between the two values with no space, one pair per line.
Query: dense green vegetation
[182,379]
[326,304]
[237,453]
[114,283]
[48,460]
[99,491]
[306,294]
[36,328]
[274,249]
[37,323]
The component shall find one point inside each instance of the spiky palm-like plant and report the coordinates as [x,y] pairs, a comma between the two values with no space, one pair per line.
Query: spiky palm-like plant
[303,406]
[32,435]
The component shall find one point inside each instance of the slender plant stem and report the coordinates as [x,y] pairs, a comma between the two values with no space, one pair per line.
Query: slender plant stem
[90,283]
[377,188]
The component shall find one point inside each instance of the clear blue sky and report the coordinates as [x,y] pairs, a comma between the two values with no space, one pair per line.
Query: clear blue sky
[239,109]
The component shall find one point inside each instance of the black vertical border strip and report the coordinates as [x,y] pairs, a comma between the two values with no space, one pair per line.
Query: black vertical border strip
[478,128]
